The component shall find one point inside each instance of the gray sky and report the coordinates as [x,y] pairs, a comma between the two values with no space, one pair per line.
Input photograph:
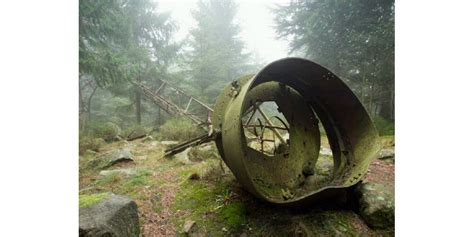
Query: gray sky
[254,18]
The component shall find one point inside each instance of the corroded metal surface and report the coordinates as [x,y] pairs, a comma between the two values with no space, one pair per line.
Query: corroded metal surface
[306,94]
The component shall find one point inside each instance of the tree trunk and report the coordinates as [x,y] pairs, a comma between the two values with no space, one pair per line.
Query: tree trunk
[392,103]
[89,104]
[371,98]
[81,102]
[138,106]
[387,105]
[82,120]
[159,116]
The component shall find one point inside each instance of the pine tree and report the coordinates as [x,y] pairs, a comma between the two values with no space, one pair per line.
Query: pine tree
[217,55]
[355,39]
[123,40]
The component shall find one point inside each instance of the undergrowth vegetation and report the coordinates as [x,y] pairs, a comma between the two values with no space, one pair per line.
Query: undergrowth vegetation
[135,131]
[384,126]
[89,143]
[96,134]
[107,131]
[179,129]
[202,153]
[214,200]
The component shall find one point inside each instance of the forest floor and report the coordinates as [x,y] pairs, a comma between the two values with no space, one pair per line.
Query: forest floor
[171,191]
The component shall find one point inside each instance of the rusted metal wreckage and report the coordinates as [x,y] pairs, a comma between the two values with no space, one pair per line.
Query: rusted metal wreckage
[274,156]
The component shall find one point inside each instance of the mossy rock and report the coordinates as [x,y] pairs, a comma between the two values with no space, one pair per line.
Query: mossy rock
[376,204]
[110,158]
[108,215]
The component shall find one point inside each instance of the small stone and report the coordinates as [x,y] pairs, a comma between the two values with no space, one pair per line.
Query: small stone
[188,226]
[147,139]
[224,229]
[169,143]
[91,152]
[386,154]
[125,172]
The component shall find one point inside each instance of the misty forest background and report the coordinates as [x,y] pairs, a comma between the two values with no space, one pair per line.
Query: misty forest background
[124,40]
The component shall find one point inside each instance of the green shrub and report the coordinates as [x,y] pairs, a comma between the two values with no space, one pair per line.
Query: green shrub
[89,143]
[107,131]
[135,131]
[385,127]
[179,129]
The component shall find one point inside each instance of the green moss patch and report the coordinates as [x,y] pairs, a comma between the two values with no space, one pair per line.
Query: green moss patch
[136,183]
[88,200]
[234,215]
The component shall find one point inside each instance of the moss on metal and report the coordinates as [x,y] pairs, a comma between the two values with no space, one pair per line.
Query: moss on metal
[307,94]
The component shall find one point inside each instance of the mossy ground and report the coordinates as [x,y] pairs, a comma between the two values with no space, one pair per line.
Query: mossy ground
[166,198]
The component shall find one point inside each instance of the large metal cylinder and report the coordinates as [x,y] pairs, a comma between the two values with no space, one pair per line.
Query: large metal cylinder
[307,95]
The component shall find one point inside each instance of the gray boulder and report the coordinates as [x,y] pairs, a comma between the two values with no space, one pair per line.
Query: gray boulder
[386,154]
[116,156]
[376,204]
[183,157]
[124,172]
[114,215]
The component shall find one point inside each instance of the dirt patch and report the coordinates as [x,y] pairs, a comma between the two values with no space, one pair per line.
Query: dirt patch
[381,171]
[158,224]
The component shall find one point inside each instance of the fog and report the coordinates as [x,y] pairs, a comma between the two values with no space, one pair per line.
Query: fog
[254,18]
[164,81]
[201,46]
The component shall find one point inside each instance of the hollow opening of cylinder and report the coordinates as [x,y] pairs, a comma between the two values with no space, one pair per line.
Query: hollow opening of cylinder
[266,129]
[288,153]
[324,167]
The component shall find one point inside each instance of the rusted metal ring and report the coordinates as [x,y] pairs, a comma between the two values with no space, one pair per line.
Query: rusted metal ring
[307,93]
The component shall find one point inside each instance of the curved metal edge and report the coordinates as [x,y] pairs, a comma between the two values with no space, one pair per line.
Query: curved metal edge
[353,137]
